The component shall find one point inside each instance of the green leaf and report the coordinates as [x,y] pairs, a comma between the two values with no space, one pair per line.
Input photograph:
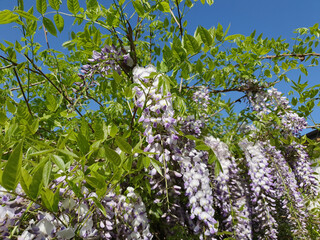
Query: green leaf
[112,156]
[99,205]
[75,189]
[83,143]
[46,173]
[50,200]
[41,6]
[138,7]
[73,6]
[25,180]
[276,69]
[113,130]
[33,128]
[59,162]
[58,20]
[12,170]
[210,2]
[190,44]
[117,77]
[235,36]
[6,16]
[156,165]
[26,15]
[205,36]
[123,145]
[267,73]
[11,107]
[164,7]
[49,26]
[146,161]
[202,147]
[68,114]
[55,4]
[36,182]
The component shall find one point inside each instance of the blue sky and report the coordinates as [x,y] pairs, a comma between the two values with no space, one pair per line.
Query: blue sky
[273,18]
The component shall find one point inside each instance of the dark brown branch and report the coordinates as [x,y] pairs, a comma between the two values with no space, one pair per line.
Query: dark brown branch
[24,96]
[180,18]
[8,60]
[95,100]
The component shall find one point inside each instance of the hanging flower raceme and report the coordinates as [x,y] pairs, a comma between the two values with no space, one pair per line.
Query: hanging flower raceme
[263,190]
[291,201]
[105,62]
[300,162]
[196,177]
[230,192]
[291,124]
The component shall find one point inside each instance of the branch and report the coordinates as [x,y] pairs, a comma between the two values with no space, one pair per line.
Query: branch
[13,63]
[180,18]
[48,79]
[300,56]
[235,101]
[24,96]
[32,84]
[9,66]
[315,126]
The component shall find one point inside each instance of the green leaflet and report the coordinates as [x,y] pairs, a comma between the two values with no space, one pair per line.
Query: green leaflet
[41,6]
[73,6]
[26,15]
[123,145]
[190,44]
[58,20]
[49,26]
[55,4]
[12,170]
[112,156]
[6,16]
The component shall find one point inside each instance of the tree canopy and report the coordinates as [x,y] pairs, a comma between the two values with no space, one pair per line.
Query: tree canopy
[138,129]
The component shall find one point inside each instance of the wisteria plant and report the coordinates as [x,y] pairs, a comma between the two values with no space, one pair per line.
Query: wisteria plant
[131,130]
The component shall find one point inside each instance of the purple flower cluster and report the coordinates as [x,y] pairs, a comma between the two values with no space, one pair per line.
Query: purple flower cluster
[291,200]
[265,102]
[105,62]
[263,189]
[201,97]
[196,178]
[300,162]
[230,192]
[125,218]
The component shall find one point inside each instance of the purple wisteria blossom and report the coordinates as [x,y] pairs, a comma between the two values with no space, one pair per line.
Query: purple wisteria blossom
[105,62]
[197,185]
[201,97]
[230,193]
[263,190]
[300,162]
[287,190]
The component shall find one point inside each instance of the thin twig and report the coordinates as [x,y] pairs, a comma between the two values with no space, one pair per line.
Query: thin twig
[315,126]
[220,110]
[32,84]
[24,96]
[300,56]
[48,79]
[9,66]
[45,35]
[180,19]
